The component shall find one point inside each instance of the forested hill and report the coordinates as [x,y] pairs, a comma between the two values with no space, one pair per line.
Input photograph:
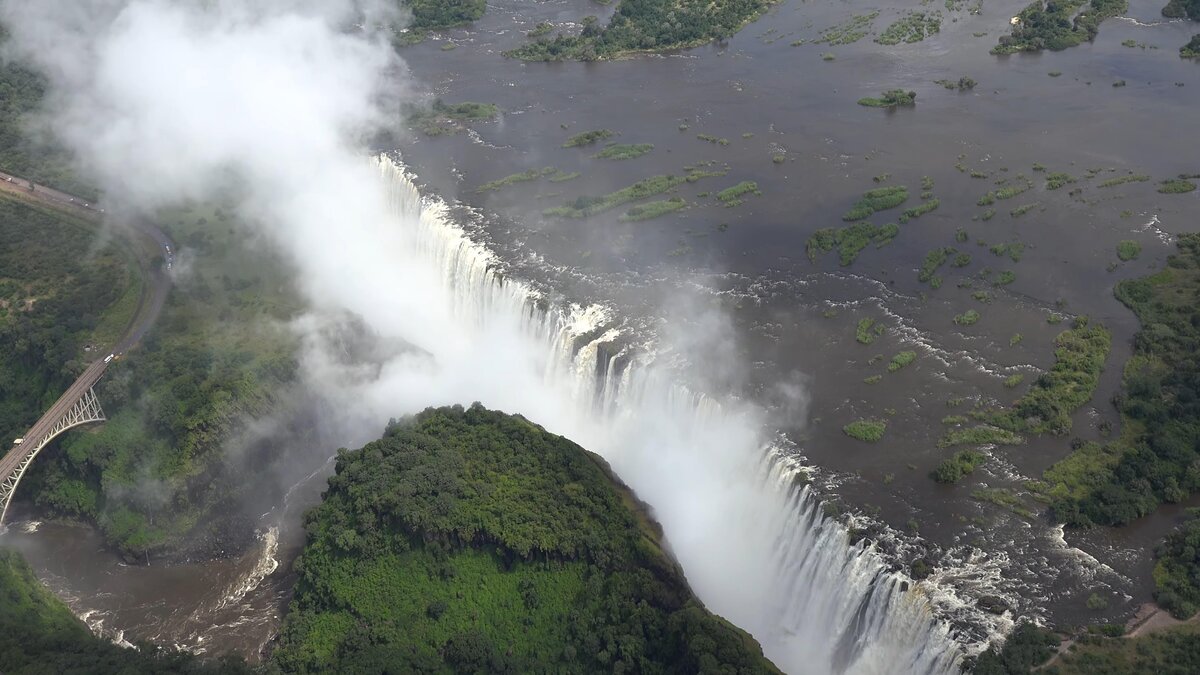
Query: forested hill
[474,541]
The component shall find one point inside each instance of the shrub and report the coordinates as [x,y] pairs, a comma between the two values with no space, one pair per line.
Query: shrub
[901,360]
[960,464]
[1128,250]
[865,430]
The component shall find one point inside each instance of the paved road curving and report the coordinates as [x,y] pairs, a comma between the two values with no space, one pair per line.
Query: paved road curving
[143,238]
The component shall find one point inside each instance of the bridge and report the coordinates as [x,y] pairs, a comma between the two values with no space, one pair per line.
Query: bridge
[79,405]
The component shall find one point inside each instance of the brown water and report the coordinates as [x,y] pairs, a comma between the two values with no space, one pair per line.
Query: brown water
[796,318]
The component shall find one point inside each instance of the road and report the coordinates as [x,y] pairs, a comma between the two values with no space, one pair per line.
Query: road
[147,242]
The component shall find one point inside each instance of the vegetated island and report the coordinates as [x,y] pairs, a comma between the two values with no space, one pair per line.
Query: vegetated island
[1192,49]
[441,118]
[430,15]
[646,26]
[1057,25]
[469,540]
[891,98]
[1155,460]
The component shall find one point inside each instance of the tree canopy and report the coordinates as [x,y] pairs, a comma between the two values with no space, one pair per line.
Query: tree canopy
[467,540]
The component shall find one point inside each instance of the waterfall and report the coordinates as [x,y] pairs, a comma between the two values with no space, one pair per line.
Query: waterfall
[751,537]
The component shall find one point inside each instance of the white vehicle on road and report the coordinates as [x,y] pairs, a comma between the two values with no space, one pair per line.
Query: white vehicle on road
[109,358]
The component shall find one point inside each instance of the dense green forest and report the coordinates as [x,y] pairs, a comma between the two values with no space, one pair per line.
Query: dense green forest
[432,14]
[1174,651]
[58,293]
[154,474]
[1192,48]
[40,636]
[1156,459]
[1180,9]
[1177,572]
[647,25]
[474,541]
[1058,24]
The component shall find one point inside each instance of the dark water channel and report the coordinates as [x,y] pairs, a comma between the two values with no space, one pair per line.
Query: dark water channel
[795,318]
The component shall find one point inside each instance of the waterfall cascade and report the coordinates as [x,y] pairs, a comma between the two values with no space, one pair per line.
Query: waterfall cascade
[751,537]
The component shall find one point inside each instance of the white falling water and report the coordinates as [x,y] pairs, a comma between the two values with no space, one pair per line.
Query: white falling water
[754,544]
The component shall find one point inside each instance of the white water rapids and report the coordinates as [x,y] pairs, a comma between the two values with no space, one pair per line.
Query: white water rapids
[753,541]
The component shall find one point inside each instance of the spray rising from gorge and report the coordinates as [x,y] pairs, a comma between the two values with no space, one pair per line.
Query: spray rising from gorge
[266,103]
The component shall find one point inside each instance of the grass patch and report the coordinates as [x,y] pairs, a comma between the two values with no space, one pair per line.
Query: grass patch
[1056,180]
[919,210]
[732,196]
[442,118]
[1121,180]
[588,138]
[1022,210]
[1175,186]
[624,151]
[954,468]
[1128,249]
[867,330]
[967,318]
[879,199]
[901,360]
[932,263]
[1079,356]
[983,434]
[869,431]
[512,179]
[651,210]
[1003,498]
[914,27]
[1014,250]
[849,240]
[891,98]
[586,206]
[857,27]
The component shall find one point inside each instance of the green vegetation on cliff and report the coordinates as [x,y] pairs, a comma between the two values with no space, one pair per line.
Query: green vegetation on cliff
[1156,459]
[59,292]
[1173,651]
[153,476]
[1177,572]
[647,25]
[39,635]
[474,541]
